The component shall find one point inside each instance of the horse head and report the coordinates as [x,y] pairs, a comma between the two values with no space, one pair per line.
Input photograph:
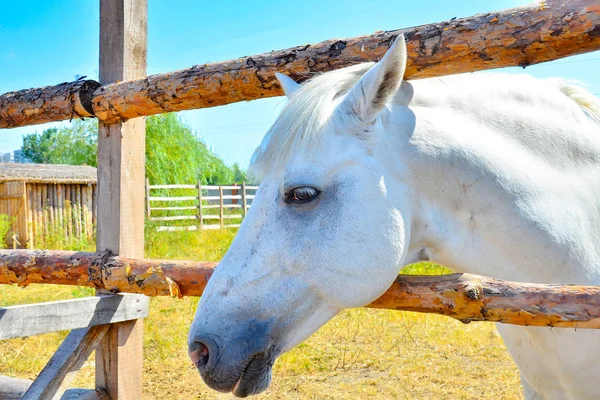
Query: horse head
[327,230]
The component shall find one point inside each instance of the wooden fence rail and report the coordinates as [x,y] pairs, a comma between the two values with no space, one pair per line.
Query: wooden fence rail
[89,319]
[160,208]
[520,36]
[464,297]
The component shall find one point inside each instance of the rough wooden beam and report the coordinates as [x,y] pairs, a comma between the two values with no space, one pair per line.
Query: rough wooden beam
[34,319]
[517,37]
[100,270]
[521,36]
[69,358]
[51,103]
[461,296]
[121,173]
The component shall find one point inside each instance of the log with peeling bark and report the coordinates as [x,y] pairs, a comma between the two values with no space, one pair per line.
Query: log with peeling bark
[522,36]
[464,297]
[51,103]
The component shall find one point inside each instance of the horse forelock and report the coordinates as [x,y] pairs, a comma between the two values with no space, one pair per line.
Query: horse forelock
[299,127]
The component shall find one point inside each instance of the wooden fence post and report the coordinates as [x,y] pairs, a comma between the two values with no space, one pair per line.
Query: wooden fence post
[121,166]
[221,207]
[244,199]
[200,219]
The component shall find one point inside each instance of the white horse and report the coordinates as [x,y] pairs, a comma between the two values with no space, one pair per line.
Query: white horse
[497,175]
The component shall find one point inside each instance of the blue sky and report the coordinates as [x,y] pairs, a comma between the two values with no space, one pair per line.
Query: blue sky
[44,42]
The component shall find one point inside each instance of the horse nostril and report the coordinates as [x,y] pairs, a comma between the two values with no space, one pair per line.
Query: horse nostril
[199,354]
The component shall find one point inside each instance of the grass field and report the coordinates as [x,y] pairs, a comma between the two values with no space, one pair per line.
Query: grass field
[360,354]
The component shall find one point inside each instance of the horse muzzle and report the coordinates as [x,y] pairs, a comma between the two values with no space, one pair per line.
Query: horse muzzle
[242,364]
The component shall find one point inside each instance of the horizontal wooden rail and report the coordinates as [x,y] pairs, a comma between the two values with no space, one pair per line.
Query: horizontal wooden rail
[34,319]
[225,197]
[462,296]
[51,103]
[176,228]
[224,216]
[520,36]
[180,198]
[174,218]
[173,208]
[172,186]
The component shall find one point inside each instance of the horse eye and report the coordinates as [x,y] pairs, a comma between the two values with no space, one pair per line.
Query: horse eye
[301,195]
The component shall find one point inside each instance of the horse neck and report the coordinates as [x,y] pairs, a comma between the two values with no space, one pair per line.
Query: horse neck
[466,181]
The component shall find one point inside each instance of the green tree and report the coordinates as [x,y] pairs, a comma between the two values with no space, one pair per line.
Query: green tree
[239,175]
[74,145]
[174,153]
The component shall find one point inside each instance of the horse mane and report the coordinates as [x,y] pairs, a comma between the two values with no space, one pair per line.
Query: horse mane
[589,103]
[300,125]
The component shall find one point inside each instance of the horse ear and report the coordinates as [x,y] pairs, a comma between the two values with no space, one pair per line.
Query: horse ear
[288,84]
[379,85]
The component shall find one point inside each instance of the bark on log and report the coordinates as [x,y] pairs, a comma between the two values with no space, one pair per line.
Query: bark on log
[464,297]
[51,103]
[517,37]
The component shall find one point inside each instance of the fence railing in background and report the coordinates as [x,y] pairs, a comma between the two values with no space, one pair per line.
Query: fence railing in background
[202,206]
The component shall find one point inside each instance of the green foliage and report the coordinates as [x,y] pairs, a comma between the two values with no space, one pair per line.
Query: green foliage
[174,153]
[73,145]
[5,225]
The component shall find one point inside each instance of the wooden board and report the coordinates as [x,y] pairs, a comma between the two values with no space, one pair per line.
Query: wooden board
[34,319]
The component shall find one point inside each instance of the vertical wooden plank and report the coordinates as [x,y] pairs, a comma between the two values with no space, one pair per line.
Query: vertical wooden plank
[234,192]
[78,212]
[50,198]
[30,219]
[60,207]
[94,205]
[24,215]
[244,203]
[56,209]
[68,211]
[37,223]
[148,213]
[90,211]
[44,210]
[221,208]
[200,219]
[121,172]
[84,211]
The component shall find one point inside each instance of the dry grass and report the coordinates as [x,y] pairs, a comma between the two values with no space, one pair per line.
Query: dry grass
[362,353]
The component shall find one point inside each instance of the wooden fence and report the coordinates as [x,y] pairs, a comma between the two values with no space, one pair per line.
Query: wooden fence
[43,200]
[199,204]
[89,320]
[546,31]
